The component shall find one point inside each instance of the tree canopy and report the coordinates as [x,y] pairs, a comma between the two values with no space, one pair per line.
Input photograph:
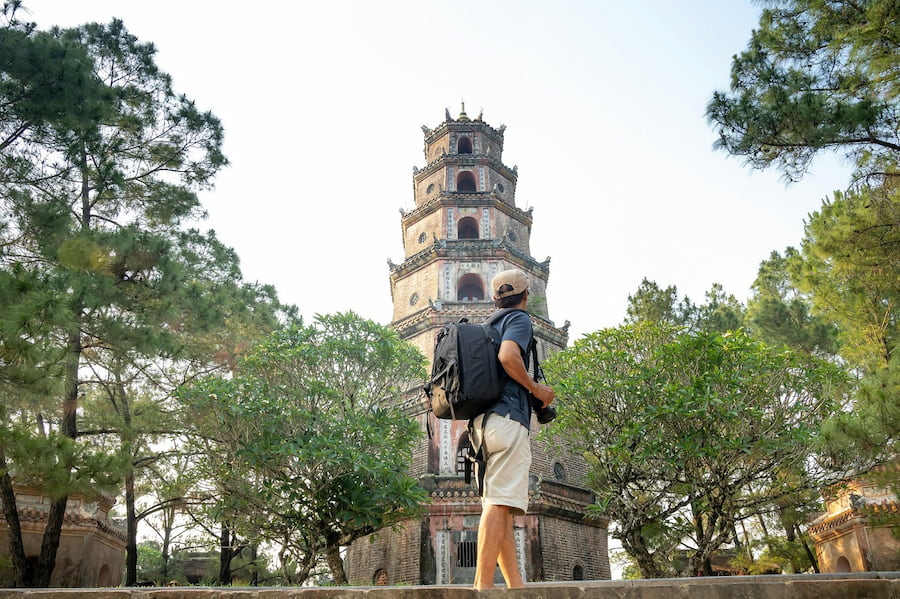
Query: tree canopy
[778,313]
[306,443]
[106,296]
[815,76]
[687,434]
[820,76]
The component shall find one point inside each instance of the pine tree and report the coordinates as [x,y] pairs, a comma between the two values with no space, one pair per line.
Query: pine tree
[93,246]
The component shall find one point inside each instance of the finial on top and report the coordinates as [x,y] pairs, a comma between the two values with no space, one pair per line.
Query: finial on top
[462,114]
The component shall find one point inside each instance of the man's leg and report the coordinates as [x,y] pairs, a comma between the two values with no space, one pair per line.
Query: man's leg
[508,560]
[496,544]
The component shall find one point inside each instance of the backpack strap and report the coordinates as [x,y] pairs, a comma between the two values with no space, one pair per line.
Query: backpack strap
[476,461]
[537,373]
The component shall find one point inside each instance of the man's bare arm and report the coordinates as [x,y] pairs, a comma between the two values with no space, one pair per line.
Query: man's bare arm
[511,359]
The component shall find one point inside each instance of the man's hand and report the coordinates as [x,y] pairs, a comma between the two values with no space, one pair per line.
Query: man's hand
[544,393]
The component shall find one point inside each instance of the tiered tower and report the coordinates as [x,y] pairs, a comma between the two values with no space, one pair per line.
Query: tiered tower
[464,229]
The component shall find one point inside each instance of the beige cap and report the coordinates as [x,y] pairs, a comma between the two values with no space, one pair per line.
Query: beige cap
[509,282]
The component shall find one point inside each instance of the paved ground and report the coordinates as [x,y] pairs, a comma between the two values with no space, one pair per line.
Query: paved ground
[869,585]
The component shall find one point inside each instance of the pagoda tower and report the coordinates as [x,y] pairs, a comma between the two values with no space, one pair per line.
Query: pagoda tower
[464,229]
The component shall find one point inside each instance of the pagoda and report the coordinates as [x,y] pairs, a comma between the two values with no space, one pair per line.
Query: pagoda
[465,228]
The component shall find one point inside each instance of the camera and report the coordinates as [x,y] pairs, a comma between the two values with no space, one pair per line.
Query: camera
[544,415]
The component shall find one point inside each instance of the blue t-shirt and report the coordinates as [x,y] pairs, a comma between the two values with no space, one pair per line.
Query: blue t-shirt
[515,326]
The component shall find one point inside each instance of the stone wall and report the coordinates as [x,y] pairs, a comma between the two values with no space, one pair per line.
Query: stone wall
[91,547]
[867,585]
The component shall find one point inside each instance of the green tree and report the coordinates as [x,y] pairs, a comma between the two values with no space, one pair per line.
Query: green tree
[721,312]
[850,267]
[818,76]
[132,395]
[93,241]
[650,303]
[687,433]
[778,313]
[815,76]
[305,442]
[48,83]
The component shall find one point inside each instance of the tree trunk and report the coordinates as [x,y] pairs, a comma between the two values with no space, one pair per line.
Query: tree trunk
[68,429]
[747,543]
[762,525]
[50,542]
[131,555]
[229,548]
[786,525]
[168,518]
[254,570]
[335,563]
[809,553]
[225,556]
[22,572]
[130,532]
[634,546]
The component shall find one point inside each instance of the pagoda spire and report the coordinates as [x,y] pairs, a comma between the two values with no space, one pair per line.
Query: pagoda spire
[462,113]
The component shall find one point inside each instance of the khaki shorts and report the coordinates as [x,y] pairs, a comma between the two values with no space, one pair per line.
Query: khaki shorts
[508,456]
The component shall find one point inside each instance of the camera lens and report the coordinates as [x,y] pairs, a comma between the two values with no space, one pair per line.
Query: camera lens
[544,414]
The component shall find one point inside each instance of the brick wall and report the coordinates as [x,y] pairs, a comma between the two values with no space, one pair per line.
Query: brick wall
[567,545]
[396,551]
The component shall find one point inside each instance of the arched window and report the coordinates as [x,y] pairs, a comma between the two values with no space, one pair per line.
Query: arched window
[467,228]
[843,565]
[462,450]
[465,181]
[559,471]
[470,288]
[380,579]
[464,146]
[103,577]
[577,573]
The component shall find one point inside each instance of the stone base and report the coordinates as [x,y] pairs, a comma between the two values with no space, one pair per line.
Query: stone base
[865,585]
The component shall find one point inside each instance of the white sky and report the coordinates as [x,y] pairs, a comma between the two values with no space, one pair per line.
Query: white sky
[323,102]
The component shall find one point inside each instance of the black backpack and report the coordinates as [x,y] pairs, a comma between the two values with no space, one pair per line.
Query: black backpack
[466,375]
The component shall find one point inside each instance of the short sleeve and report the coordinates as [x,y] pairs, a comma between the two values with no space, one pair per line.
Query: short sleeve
[518,328]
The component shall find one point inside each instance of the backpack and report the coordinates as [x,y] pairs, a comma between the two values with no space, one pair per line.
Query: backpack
[466,375]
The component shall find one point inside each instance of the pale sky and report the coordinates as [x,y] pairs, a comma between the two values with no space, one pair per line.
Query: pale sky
[323,103]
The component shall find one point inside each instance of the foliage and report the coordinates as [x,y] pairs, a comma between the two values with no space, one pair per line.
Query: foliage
[47,85]
[304,441]
[153,566]
[781,555]
[686,433]
[780,314]
[815,76]
[108,302]
[650,303]
[850,267]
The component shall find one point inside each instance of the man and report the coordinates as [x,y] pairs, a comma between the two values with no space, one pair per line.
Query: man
[507,448]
